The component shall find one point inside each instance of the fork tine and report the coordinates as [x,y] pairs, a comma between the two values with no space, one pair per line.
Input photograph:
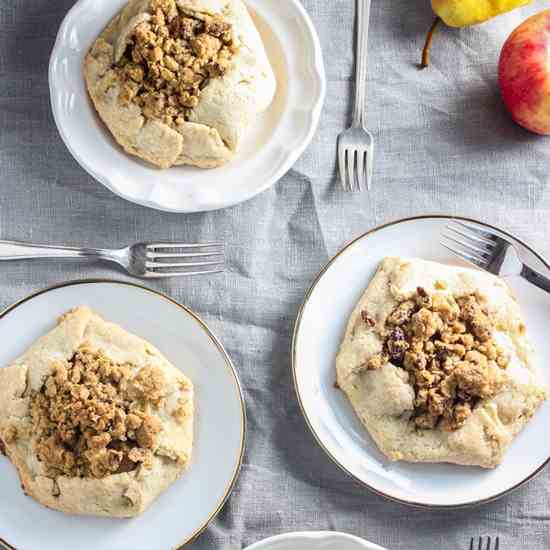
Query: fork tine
[165,274]
[481,241]
[464,256]
[370,165]
[482,255]
[497,543]
[157,265]
[160,255]
[480,543]
[477,230]
[342,165]
[488,543]
[351,168]
[155,246]
[361,170]
[472,543]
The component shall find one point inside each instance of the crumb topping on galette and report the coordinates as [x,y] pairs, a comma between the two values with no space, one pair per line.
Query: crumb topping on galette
[95,419]
[436,364]
[446,345]
[91,419]
[171,57]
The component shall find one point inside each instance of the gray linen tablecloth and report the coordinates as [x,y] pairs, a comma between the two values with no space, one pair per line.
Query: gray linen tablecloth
[444,145]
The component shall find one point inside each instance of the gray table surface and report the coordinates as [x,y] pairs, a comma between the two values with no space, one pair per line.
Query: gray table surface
[444,145]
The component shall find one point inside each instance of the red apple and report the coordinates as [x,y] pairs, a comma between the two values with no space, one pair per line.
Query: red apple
[524,73]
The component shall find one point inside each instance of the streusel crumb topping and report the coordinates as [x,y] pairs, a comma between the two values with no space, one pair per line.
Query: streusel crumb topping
[90,419]
[171,58]
[446,345]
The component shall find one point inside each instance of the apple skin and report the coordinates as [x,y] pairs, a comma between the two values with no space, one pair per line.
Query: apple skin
[524,73]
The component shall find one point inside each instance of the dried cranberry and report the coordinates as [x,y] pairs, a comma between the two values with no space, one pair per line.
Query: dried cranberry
[397,345]
[397,334]
[369,321]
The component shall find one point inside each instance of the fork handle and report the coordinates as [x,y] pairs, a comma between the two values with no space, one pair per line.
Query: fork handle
[363,18]
[538,279]
[13,250]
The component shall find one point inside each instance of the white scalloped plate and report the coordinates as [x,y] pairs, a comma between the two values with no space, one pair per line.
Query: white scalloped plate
[274,143]
[318,332]
[321,540]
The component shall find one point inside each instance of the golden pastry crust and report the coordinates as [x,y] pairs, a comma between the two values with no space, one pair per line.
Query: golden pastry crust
[91,418]
[179,81]
[445,380]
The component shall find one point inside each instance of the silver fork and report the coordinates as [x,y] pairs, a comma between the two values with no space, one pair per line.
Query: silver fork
[145,260]
[356,144]
[490,252]
[481,546]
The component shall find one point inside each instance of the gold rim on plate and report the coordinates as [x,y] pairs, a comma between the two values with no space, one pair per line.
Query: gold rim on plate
[297,388]
[220,348]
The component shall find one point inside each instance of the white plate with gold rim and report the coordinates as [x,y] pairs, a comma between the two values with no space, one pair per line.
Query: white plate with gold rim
[314,540]
[273,144]
[318,332]
[182,512]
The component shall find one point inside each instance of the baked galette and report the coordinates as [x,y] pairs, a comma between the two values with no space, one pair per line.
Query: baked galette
[179,81]
[436,363]
[95,420]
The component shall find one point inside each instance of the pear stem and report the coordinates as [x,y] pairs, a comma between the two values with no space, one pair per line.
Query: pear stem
[429,39]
